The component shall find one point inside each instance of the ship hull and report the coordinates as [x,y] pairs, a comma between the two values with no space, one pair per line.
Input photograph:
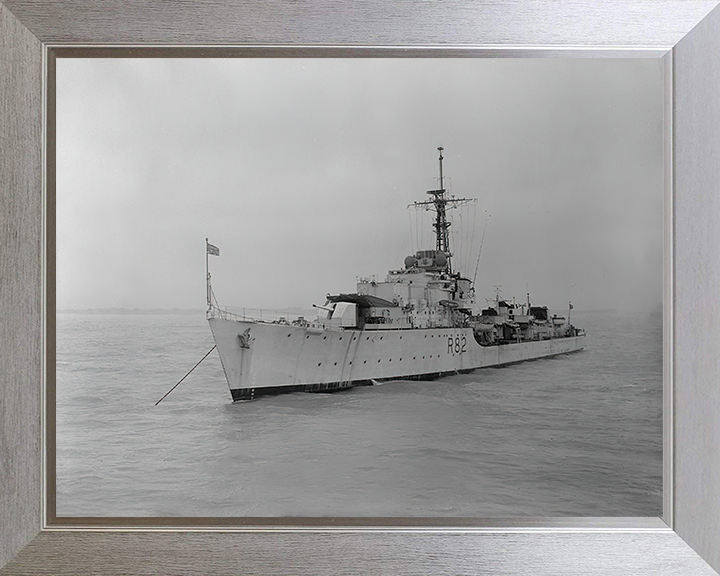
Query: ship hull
[265,358]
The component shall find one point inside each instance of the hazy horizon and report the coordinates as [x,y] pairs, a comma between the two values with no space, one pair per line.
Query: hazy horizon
[298,310]
[300,171]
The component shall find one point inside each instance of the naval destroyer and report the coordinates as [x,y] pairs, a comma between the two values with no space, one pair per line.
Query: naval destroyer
[422,322]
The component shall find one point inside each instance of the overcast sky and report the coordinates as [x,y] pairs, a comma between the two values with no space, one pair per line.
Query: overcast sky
[301,172]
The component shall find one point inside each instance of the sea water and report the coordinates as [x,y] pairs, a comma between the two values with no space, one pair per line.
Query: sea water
[573,435]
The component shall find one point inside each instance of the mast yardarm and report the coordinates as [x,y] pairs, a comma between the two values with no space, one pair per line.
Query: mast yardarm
[440,203]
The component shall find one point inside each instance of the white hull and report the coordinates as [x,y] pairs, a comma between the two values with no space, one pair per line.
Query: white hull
[279,358]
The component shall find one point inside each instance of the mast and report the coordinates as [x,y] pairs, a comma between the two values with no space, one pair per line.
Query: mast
[441,224]
[207,275]
[440,203]
[210,250]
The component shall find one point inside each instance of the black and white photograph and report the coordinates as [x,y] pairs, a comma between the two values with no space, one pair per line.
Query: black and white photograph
[359,287]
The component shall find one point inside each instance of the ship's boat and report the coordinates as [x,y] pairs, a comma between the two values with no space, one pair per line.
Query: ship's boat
[422,322]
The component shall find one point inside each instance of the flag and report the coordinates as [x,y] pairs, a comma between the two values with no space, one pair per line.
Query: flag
[571,306]
[213,250]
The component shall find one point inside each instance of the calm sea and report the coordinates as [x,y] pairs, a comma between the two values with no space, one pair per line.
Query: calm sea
[575,435]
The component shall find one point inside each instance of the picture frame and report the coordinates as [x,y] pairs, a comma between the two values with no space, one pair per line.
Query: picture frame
[687,539]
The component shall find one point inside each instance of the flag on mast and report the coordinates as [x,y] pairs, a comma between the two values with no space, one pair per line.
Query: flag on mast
[213,250]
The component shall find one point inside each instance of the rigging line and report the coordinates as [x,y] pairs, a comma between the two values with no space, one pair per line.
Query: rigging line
[475,210]
[472,235]
[417,229]
[186,375]
[464,235]
[468,238]
[217,304]
[412,247]
[461,240]
[480,251]
[465,232]
[417,232]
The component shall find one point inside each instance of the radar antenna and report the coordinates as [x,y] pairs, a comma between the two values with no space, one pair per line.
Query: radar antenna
[441,203]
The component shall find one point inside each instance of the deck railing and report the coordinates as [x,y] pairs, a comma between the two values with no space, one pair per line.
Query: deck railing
[259,315]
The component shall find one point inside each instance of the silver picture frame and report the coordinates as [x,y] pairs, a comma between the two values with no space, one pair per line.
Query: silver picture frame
[686,540]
